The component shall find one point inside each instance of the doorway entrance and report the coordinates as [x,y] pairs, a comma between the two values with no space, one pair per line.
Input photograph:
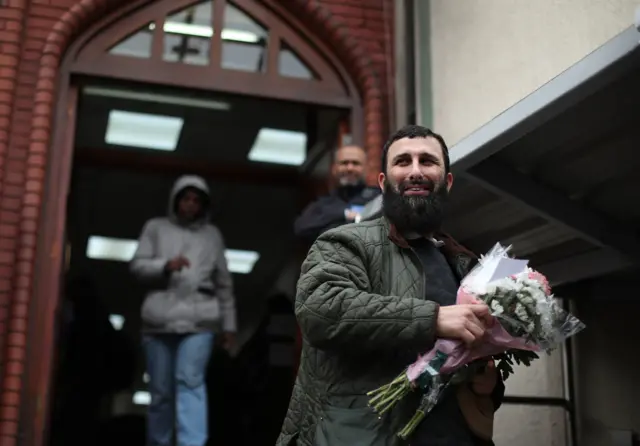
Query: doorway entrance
[253,108]
[131,143]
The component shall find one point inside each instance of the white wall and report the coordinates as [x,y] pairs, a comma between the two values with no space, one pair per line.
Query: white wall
[527,425]
[486,55]
[607,366]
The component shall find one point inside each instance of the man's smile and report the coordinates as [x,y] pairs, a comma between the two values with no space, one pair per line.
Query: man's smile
[416,190]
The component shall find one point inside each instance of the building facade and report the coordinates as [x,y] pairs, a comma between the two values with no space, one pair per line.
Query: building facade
[41,49]
[462,64]
[450,65]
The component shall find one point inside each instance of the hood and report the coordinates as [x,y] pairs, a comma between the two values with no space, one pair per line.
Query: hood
[183,182]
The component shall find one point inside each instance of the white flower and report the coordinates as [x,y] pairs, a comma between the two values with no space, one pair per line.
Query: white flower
[496,308]
[521,312]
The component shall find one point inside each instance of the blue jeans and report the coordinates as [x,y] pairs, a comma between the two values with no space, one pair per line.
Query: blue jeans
[176,365]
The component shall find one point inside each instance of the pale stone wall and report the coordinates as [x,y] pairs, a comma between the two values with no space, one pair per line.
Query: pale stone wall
[534,425]
[607,366]
[486,55]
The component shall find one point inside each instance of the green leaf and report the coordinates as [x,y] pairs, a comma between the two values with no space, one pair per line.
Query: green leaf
[505,361]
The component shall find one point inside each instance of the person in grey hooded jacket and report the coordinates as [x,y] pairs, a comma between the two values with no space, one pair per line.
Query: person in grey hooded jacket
[181,259]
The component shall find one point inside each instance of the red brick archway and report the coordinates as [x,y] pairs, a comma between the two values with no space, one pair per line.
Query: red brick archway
[18,398]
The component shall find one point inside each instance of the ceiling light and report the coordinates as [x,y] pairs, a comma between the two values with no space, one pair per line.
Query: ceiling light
[157,98]
[122,250]
[143,130]
[190,29]
[280,147]
[117,321]
[141,398]
[241,262]
[239,36]
[105,248]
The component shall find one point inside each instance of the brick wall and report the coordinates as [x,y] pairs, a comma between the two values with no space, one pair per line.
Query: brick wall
[14,119]
[363,36]
[370,23]
[355,28]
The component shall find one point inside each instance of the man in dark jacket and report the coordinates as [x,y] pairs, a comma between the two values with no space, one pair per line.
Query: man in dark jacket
[374,295]
[344,204]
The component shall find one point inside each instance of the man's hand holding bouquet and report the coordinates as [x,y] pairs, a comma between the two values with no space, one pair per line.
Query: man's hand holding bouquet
[523,318]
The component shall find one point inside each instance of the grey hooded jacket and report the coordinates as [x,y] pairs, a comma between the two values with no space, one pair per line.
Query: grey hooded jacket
[198,298]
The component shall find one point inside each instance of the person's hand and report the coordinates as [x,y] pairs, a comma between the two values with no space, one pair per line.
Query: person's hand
[228,340]
[177,263]
[464,322]
[485,380]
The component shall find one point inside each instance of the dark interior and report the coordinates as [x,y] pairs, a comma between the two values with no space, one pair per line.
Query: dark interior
[115,189]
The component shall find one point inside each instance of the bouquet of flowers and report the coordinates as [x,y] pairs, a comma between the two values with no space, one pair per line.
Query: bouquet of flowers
[526,319]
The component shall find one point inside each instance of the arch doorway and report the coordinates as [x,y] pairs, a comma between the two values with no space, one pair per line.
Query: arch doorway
[153,91]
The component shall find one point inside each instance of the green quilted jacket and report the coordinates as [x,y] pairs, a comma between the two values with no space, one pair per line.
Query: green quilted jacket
[361,308]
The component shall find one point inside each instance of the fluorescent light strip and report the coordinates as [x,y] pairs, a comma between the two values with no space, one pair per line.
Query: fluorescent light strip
[141,398]
[279,147]
[122,250]
[105,248]
[239,36]
[143,130]
[117,321]
[189,29]
[158,98]
[241,262]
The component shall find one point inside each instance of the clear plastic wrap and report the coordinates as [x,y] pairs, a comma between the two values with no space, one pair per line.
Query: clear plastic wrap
[527,317]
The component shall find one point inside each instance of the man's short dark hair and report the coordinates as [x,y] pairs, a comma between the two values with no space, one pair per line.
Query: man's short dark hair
[334,153]
[411,132]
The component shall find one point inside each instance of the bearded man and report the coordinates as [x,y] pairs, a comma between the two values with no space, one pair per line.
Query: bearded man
[374,295]
[343,204]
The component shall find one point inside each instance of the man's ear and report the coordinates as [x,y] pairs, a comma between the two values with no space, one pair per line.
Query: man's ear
[334,170]
[381,178]
[449,180]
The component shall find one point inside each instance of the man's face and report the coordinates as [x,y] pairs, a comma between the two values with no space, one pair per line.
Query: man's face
[189,205]
[416,186]
[348,165]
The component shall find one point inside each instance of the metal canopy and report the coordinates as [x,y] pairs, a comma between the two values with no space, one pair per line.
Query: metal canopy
[556,173]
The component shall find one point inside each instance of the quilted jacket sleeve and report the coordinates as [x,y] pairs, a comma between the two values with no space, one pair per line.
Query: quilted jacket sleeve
[337,310]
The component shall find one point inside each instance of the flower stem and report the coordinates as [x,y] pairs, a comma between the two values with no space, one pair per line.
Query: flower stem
[391,400]
[408,429]
[385,397]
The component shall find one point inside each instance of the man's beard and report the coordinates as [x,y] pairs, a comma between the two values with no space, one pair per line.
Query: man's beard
[420,214]
[350,182]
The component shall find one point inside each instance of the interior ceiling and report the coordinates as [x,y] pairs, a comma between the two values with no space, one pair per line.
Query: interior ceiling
[215,135]
[561,182]
[116,202]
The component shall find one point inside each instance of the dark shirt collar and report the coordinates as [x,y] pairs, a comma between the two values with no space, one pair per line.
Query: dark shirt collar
[442,240]
[349,192]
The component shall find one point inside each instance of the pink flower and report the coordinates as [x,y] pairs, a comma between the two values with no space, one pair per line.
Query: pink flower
[541,279]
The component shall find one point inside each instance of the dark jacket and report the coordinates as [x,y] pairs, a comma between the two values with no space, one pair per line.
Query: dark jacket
[361,308]
[328,211]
